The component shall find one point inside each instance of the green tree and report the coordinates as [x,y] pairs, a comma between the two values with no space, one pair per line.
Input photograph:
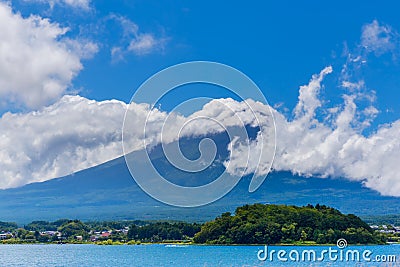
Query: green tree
[74,228]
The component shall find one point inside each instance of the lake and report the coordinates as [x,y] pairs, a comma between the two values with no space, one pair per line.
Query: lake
[171,255]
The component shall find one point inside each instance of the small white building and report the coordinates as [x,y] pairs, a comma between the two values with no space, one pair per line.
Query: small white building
[5,236]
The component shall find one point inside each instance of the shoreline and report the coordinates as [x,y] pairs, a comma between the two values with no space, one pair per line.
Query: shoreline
[194,244]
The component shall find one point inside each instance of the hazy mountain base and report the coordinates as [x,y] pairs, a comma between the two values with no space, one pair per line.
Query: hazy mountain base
[107,192]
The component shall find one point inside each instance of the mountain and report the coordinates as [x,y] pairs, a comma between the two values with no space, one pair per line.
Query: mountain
[108,192]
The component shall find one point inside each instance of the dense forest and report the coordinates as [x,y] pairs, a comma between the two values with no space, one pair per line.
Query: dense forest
[273,224]
[161,231]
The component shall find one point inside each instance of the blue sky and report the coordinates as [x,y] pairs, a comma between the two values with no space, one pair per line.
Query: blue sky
[278,44]
[64,62]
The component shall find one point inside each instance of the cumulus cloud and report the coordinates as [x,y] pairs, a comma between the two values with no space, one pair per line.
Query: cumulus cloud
[73,134]
[76,133]
[135,41]
[310,146]
[37,65]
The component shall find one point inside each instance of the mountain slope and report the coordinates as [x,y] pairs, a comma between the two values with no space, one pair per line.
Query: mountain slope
[107,192]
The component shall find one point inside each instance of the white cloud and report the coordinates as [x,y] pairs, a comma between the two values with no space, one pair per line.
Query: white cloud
[73,134]
[142,44]
[84,4]
[36,64]
[311,147]
[308,97]
[82,48]
[353,86]
[76,133]
[134,41]
[79,4]
[378,38]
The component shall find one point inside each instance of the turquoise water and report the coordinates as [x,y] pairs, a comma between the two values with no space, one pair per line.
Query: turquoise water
[164,255]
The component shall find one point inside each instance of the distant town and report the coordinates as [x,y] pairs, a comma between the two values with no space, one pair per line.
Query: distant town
[101,233]
[391,231]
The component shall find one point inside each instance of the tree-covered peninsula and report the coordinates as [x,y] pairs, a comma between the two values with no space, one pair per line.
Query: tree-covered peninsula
[281,224]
